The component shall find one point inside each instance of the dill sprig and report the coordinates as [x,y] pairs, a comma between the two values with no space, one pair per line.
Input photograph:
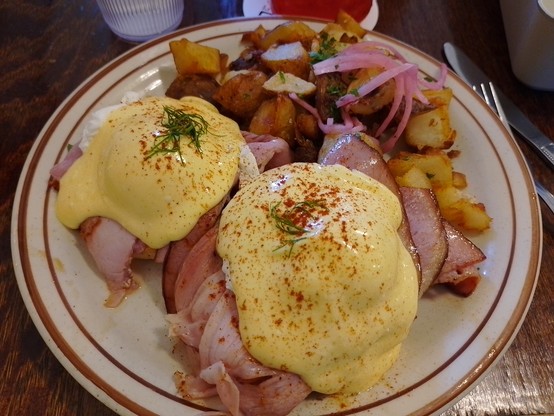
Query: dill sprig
[287,221]
[178,124]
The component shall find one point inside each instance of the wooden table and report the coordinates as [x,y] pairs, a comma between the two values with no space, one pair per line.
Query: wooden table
[47,48]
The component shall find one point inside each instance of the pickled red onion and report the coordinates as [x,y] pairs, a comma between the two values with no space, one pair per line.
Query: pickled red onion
[350,125]
[406,76]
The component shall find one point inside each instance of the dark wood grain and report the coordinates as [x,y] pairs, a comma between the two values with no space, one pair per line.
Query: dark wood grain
[48,47]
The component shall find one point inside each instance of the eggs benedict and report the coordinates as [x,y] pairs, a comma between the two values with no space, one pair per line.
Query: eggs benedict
[324,286]
[154,166]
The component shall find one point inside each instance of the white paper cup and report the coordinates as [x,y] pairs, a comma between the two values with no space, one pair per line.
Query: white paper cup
[529,27]
[141,20]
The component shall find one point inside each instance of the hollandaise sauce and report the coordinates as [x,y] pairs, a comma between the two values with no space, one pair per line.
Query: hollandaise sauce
[324,286]
[156,190]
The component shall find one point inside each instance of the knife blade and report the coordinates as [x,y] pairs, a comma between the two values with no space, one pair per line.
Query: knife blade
[474,76]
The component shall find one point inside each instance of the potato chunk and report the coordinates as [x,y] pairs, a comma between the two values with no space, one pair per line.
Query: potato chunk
[275,116]
[288,32]
[193,58]
[243,93]
[350,24]
[283,82]
[436,166]
[290,58]
[430,129]
[414,178]
[460,210]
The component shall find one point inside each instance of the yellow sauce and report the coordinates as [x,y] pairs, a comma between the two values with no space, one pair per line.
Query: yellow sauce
[331,303]
[160,198]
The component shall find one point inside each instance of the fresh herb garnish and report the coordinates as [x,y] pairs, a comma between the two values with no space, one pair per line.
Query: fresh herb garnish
[293,221]
[178,124]
[327,49]
[335,91]
[355,92]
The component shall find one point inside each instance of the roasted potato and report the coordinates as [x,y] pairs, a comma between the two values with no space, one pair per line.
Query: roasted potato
[193,58]
[459,180]
[375,101]
[414,178]
[307,126]
[288,32]
[275,116]
[283,82]
[431,128]
[203,86]
[243,93]
[439,97]
[436,166]
[461,210]
[290,58]
[434,170]
[255,37]
[350,24]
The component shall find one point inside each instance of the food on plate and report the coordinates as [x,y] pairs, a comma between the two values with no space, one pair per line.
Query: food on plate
[354,84]
[193,58]
[289,258]
[324,285]
[302,198]
[433,169]
[154,167]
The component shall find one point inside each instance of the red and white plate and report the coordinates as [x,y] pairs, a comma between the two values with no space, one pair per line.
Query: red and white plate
[261,8]
[124,357]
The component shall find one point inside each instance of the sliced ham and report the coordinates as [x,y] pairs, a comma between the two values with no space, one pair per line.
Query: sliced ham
[207,321]
[269,151]
[179,250]
[428,232]
[189,323]
[462,261]
[59,169]
[206,315]
[244,386]
[201,262]
[112,259]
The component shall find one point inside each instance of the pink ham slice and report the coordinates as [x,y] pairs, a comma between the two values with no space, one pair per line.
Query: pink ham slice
[428,232]
[59,169]
[114,259]
[207,321]
[460,269]
[179,250]
[269,151]
[201,262]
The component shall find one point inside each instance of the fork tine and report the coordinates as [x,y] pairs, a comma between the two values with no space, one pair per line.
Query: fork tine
[493,101]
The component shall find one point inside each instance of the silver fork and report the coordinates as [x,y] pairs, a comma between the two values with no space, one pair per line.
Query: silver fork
[488,92]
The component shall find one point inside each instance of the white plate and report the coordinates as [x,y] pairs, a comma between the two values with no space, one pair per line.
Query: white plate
[123,356]
[260,8]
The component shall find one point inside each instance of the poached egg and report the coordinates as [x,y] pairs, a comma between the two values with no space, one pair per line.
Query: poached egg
[157,196]
[324,286]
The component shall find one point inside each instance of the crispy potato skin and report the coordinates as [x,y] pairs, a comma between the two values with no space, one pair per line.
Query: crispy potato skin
[243,94]
[290,58]
[202,86]
[276,117]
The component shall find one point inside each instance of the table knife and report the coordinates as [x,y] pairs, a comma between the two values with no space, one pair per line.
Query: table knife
[474,76]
